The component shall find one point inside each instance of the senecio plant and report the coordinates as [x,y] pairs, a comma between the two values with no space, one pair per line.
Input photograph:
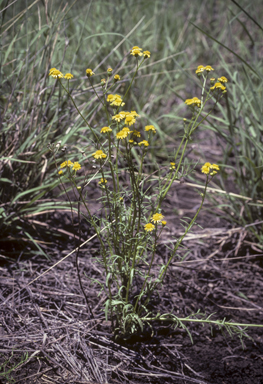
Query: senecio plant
[132,221]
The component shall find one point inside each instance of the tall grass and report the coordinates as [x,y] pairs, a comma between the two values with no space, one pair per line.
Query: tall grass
[36,36]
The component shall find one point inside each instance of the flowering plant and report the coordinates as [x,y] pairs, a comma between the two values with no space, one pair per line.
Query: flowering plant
[133,222]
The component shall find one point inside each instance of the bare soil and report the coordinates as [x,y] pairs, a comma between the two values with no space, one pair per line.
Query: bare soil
[49,318]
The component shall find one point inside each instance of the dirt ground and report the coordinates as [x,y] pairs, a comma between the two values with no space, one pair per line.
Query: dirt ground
[49,318]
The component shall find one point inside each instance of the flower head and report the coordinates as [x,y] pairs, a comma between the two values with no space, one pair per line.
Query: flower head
[129,119]
[210,169]
[136,51]
[99,154]
[122,134]
[218,86]
[164,222]
[89,72]
[134,113]
[137,133]
[118,117]
[172,166]
[146,54]
[55,73]
[60,172]
[194,102]
[66,163]
[68,76]
[115,100]
[222,79]
[144,142]
[52,70]
[126,129]
[116,77]
[106,129]
[149,227]
[76,166]
[110,98]
[150,128]
[103,181]
[200,69]
[157,217]
[109,71]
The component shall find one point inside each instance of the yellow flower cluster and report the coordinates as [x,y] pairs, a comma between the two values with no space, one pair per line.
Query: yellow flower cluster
[59,75]
[137,51]
[56,74]
[103,181]
[144,142]
[193,102]
[156,219]
[115,100]
[75,166]
[128,116]
[150,128]
[210,169]
[201,69]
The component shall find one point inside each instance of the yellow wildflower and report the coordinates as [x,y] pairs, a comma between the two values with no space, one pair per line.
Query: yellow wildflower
[164,222]
[109,71]
[200,69]
[144,142]
[136,51]
[218,86]
[157,217]
[222,79]
[76,166]
[210,169]
[194,101]
[52,70]
[134,113]
[137,134]
[130,120]
[115,100]
[126,129]
[106,129]
[67,163]
[149,227]
[117,77]
[89,72]
[150,128]
[68,76]
[146,54]
[99,154]
[208,68]
[118,117]
[103,181]
[172,165]
[110,98]
[122,134]
[60,172]
[56,74]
